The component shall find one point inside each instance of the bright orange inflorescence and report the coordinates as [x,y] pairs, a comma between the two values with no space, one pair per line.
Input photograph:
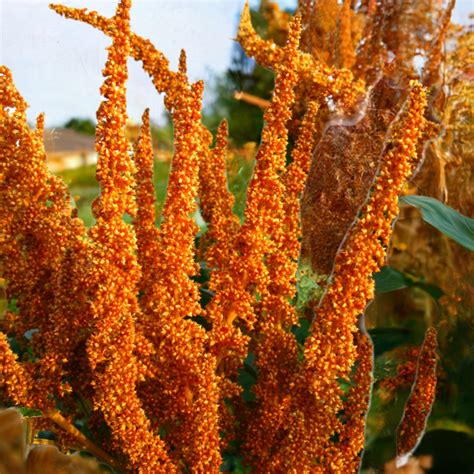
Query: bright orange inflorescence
[329,351]
[15,381]
[421,399]
[145,219]
[114,273]
[267,262]
[320,80]
[346,53]
[117,314]
[216,202]
[345,454]
[405,375]
[37,243]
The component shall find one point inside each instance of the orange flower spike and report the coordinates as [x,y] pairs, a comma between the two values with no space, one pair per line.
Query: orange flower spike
[219,244]
[264,225]
[216,202]
[14,380]
[10,96]
[231,298]
[265,52]
[171,297]
[277,350]
[295,177]
[346,53]
[346,452]
[357,404]
[19,191]
[171,252]
[213,177]
[419,403]
[147,234]
[154,62]
[12,127]
[116,273]
[178,228]
[329,351]
[321,80]
[145,220]
[40,126]
[264,208]
[231,282]
[110,234]
[431,69]
[35,240]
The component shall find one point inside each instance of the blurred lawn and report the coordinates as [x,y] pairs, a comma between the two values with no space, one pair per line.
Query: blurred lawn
[84,188]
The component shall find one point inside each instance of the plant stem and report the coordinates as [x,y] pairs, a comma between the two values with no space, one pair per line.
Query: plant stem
[57,418]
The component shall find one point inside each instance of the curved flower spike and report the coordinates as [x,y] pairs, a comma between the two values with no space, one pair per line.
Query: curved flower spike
[269,265]
[329,351]
[294,179]
[421,399]
[265,52]
[320,80]
[154,62]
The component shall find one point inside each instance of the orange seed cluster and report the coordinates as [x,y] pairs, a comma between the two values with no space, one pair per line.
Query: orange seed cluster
[421,399]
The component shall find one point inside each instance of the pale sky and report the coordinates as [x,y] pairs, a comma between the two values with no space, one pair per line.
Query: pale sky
[57,63]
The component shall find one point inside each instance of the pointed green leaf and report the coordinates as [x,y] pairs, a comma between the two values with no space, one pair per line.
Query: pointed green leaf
[29,412]
[444,218]
[389,279]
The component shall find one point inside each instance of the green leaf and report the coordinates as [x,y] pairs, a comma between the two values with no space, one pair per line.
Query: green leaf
[308,286]
[435,291]
[3,298]
[12,307]
[29,412]
[247,378]
[389,279]
[444,218]
[301,331]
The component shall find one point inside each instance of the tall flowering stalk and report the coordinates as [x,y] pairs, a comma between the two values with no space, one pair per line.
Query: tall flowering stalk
[115,274]
[330,352]
[189,406]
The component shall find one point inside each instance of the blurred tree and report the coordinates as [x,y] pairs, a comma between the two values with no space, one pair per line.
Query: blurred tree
[246,120]
[86,126]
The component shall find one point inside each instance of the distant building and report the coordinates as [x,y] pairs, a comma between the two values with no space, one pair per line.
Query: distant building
[68,149]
